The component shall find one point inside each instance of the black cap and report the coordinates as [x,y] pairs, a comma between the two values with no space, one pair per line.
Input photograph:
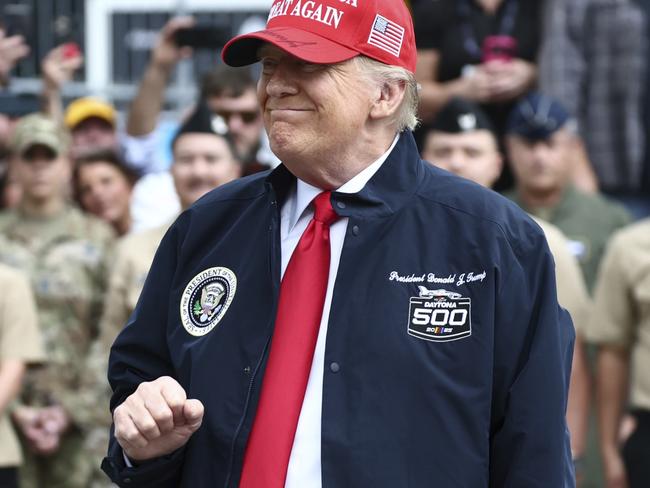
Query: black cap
[537,117]
[460,115]
[202,121]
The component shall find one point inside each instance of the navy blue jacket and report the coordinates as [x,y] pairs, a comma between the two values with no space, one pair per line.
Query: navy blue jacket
[452,354]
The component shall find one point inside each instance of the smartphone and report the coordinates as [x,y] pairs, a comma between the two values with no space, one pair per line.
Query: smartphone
[499,48]
[201,37]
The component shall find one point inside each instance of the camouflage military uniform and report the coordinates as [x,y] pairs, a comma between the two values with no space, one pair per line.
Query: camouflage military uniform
[65,258]
[133,256]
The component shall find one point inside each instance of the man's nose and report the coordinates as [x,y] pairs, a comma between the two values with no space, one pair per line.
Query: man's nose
[282,81]
[457,162]
[201,169]
[235,123]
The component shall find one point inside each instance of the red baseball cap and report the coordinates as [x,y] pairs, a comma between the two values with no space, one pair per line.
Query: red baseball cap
[331,31]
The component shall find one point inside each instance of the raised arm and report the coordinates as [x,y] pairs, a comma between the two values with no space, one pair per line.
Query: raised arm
[146,106]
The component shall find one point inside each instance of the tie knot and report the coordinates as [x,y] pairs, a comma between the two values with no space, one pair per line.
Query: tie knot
[323,211]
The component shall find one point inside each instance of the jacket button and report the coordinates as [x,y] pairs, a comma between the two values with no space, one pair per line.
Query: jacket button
[355,230]
[334,367]
[340,205]
[247,370]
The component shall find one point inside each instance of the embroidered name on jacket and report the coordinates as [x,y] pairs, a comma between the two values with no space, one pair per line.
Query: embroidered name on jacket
[439,315]
[206,299]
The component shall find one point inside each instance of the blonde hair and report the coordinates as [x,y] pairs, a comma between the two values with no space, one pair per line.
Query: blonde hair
[381,73]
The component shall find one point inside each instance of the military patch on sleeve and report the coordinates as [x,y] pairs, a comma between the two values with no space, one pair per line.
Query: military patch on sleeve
[206,299]
[439,316]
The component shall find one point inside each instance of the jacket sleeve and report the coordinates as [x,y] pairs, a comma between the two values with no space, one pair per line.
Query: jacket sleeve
[534,339]
[140,353]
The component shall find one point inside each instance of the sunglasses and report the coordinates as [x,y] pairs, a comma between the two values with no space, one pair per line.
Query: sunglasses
[247,116]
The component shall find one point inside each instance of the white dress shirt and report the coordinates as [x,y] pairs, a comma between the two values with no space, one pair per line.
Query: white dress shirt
[304,469]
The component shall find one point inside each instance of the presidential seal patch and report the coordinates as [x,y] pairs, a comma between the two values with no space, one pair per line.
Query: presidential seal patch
[206,299]
[439,315]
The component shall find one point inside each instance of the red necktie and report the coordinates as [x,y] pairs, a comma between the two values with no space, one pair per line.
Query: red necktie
[300,307]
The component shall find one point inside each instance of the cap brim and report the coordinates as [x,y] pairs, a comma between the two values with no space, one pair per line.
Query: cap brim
[49,141]
[244,50]
[86,114]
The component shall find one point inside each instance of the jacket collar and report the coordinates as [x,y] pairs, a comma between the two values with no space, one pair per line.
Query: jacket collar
[385,193]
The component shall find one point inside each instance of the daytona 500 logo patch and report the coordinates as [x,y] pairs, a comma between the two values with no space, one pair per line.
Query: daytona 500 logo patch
[206,299]
[439,316]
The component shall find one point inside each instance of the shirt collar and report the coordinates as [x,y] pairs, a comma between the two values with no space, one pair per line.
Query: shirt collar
[305,192]
[391,186]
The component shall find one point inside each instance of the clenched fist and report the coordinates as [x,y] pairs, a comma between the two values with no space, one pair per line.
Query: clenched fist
[156,419]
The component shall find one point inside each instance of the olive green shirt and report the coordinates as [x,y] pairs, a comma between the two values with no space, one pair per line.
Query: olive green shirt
[587,221]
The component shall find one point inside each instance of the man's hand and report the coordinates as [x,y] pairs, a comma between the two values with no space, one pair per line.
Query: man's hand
[55,420]
[58,66]
[615,476]
[166,53]
[40,440]
[476,85]
[156,420]
[509,79]
[12,50]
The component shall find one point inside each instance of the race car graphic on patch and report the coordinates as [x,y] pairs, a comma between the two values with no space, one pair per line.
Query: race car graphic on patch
[439,316]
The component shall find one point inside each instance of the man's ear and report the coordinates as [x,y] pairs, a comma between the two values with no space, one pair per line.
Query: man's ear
[388,100]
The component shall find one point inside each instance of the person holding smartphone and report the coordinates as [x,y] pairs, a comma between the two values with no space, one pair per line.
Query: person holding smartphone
[481,50]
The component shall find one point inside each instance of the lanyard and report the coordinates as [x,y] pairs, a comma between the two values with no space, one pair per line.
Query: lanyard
[470,43]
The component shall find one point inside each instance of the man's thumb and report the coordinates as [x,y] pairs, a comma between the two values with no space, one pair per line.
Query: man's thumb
[193,413]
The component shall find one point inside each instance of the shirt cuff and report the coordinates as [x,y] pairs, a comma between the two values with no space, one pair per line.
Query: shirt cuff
[127,461]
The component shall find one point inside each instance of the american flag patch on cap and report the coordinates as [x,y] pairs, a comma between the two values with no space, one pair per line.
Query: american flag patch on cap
[386,35]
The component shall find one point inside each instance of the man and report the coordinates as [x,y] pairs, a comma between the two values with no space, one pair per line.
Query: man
[203,160]
[63,252]
[20,346]
[435,353]
[461,139]
[540,137]
[619,327]
[92,124]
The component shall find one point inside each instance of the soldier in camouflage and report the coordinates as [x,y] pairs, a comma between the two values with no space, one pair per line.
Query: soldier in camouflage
[64,254]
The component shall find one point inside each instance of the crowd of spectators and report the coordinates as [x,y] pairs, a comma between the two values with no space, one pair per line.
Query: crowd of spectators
[546,102]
